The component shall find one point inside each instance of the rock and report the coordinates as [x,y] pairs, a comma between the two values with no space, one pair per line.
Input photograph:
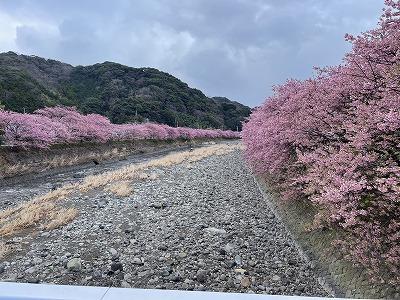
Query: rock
[276,278]
[45,234]
[115,266]
[37,261]
[201,276]
[158,205]
[245,282]
[33,280]
[188,281]
[230,263]
[27,263]
[11,278]
[96,273]
[30,270]
[182,255]
[74,265]
[78,175]
[128,277]
[153,280]
[143,274]
[2,268]
[137,261]
[149,245]
[215,231]
[222,251]
[124,284]
[102,204]
[129,230]
[176,277]
[163,247]
[114,253]
[230,283]
[165,271]
[228,248]
[252,263]
[238,260]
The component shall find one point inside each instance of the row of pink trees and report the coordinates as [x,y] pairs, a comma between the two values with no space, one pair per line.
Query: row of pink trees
[335,140]
[60,125]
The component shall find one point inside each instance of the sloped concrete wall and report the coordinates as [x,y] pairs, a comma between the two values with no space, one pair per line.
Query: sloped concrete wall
[15,162]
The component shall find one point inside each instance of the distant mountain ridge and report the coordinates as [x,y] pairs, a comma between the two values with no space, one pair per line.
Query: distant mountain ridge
[122,93]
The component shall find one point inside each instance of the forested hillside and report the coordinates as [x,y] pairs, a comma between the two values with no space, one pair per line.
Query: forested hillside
[121,93]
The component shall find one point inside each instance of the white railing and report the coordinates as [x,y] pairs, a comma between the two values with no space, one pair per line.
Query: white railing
[20,291]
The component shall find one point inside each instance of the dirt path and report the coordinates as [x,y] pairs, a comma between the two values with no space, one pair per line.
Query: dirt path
[202,225]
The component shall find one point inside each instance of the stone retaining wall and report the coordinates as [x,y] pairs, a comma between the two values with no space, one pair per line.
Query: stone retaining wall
[343,278]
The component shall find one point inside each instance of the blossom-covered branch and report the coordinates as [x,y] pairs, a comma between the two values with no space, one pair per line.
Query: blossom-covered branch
[60,125]
[335,140]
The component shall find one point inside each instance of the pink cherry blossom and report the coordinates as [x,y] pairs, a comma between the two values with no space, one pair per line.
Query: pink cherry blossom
[60,125]
[335,140]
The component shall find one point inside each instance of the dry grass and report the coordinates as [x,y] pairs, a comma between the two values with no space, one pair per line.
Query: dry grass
[61,217]
[121,189]
[152,176]
[32,213]
[42,211]
[10,170]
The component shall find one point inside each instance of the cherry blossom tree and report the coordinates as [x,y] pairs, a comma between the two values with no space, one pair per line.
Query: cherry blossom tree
[334,139]
[58,125]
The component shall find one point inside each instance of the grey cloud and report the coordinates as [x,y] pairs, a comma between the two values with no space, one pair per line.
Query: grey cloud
[233,48]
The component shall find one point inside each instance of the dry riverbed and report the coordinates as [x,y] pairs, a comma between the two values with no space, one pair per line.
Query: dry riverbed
[195,223]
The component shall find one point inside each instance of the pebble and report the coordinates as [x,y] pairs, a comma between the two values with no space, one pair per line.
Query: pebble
[31,270]
[115,266]
[228,248]
[163,247]
[128,277]
[276,278]
[137,261]
[37,261]
[124,284]
[2,267]
[196,242]
[201,276]
[238,260]
[114,253]
[245,282]
[215,231]
[74,265]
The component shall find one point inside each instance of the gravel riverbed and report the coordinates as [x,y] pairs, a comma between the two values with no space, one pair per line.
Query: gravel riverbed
[198,226]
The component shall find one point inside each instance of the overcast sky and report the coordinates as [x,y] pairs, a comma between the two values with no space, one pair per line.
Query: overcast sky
[233,48]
